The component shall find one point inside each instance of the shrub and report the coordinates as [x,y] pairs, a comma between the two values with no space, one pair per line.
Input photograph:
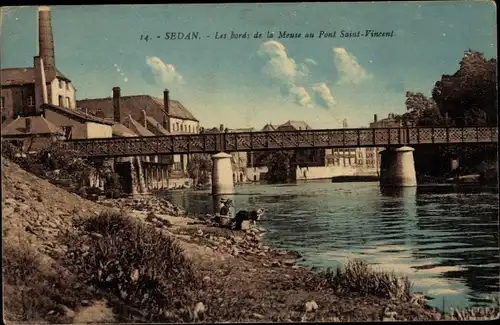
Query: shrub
[136,263]
[358,278]
[33,288]
[63,167]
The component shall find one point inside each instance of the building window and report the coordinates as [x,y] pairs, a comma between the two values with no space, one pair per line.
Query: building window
[177,126]
[189,128]
[61,84]
[67,86]
[2,103]
[68,102]
[60,101]
[30,101]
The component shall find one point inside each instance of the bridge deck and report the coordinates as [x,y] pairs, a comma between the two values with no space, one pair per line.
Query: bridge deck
[279,140]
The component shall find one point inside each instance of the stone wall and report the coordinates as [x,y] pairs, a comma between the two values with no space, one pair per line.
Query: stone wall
[332,171]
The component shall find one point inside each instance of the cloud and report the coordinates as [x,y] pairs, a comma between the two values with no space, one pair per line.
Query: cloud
[283,69]
[164,74]
[279,65]
[350,71]
[323,95]
[301,96]
[310,61]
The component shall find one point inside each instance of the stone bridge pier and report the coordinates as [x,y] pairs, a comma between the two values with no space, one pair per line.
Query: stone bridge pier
[397,167]
[222,174]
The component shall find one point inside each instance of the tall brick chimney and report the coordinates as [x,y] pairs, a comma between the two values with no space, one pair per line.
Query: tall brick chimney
[116,105]
[374,117]
[166,105]
[46,39]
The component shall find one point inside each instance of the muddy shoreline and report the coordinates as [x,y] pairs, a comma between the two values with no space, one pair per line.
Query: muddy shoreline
[254,282]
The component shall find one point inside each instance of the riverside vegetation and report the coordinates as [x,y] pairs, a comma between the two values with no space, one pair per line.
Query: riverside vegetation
[70,260]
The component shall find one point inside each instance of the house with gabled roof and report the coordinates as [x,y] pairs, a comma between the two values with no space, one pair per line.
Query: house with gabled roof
[269,127]
[147,116]
[293,126]
[169,113]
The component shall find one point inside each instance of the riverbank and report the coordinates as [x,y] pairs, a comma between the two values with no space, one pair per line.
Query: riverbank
[226,275]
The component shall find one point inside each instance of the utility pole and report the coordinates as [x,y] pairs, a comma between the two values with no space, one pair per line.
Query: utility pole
[344,126]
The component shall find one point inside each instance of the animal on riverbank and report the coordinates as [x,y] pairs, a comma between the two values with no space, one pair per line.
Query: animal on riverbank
[252,216]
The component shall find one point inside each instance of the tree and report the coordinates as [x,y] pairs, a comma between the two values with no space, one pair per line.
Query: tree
[199,168]
[421,111]
[278,166]
[469,96]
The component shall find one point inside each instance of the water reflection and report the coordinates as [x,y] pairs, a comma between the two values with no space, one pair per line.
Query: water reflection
[401,192]
[443,240]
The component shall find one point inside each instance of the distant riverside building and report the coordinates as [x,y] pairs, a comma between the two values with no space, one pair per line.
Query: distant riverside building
[317,163]
[388,122]
[239,160]
[146,115]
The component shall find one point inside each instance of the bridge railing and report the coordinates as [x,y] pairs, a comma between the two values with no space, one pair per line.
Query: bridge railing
[281,140]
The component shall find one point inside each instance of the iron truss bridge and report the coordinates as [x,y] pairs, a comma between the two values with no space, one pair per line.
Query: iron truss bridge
[280,140]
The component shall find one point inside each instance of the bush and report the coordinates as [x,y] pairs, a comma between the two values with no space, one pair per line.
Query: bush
[135,262]
[358,278]
[35,290]
[64,168]
[488,172]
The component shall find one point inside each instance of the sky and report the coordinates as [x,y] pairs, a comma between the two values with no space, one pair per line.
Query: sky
[248,82]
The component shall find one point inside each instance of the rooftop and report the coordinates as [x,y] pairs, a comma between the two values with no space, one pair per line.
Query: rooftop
[39,126]
[22,76]
[137,127]
[270,127]
[297,125]
[134,103]
[121,130]
[77,114]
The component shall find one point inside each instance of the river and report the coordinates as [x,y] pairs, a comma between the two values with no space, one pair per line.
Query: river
[442,239]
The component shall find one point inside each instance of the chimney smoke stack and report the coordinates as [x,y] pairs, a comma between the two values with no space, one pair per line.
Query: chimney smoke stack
[46,39]
[28,125]
[144,115]
[116,105]
[166,105]
[374,117]
[221,128]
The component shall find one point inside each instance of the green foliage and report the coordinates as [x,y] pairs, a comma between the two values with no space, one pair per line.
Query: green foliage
[278,164]
[63,166]
[199,168]
[358,278]
[135,262]
[421,111]
[33,290]
[468,97]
